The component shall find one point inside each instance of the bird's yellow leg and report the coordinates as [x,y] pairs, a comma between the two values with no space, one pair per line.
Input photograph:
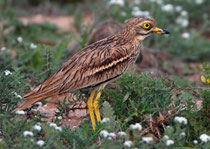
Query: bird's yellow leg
[90,107]
[96,106]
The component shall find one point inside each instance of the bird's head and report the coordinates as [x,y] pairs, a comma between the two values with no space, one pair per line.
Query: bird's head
[141,28]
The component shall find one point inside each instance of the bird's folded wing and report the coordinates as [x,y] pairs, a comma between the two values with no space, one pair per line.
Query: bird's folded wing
[90,67]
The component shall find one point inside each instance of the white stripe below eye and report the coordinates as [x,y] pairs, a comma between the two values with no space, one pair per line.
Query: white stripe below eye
[141,37]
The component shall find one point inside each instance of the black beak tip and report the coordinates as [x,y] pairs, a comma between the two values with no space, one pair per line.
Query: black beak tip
[166,32]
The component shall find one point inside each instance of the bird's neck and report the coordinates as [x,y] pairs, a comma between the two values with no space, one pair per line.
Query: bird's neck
[134,42]
[133,38]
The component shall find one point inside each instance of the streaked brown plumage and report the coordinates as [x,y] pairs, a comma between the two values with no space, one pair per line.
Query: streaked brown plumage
[97,64]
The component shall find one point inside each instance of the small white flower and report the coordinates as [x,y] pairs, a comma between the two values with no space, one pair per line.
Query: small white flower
[18,96]
[180,120]
[121,134]
[169,142]
[147,139]
[204,138]
[137,12]
[105,120]
[40,142]
[198,2]
[7,72]
[182,21]
[37,127]
[3,48]
[112,135]
[38,103]
[21,112]
[33,46]
[27,133]
[185,23]
[178,8]
[184,13]
[146,13]
[0,139]
[20,39]
[109,138]
[132,126]
[53,125]
[185,35]
[128,143]
[168,8]
[58,128]
[183,134]
[195,142]
[60,117]
[136,126]
[104,133]
[165,137]
[116,2]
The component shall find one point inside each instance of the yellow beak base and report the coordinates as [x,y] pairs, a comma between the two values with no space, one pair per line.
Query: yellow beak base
[160,31]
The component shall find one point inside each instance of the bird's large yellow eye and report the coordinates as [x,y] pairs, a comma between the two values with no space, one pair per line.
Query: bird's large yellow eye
[146,25]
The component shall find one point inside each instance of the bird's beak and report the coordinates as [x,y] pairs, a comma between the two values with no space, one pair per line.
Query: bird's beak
[160,31]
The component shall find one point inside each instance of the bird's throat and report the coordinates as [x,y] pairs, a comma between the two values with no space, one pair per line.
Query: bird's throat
[140,37]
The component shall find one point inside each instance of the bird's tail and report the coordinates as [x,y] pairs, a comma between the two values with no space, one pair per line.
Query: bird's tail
[31,99]
[47,89]
[27,103]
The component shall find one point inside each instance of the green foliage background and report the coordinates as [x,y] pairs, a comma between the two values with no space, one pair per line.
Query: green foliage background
[134,98]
